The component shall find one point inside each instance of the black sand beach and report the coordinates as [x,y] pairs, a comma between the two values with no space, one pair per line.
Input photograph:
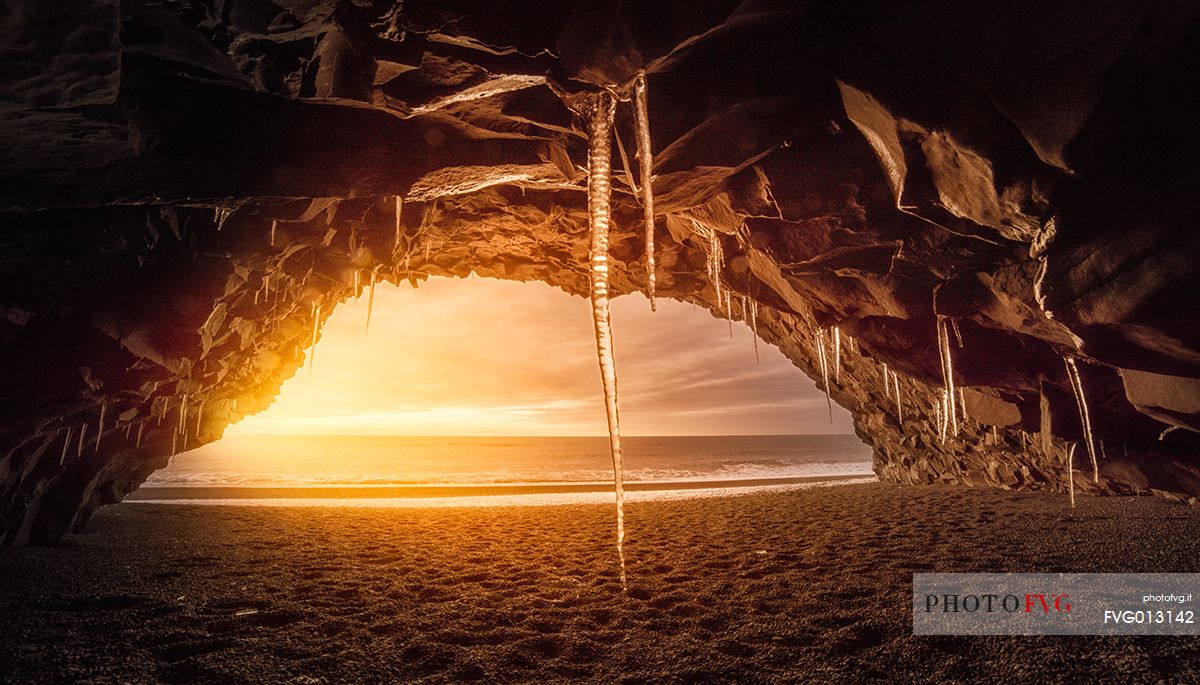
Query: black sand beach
[801,586]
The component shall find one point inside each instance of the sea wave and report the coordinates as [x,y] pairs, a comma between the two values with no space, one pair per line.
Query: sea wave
[734,471]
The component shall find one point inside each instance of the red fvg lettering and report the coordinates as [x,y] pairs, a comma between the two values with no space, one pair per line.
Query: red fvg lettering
[1060,603]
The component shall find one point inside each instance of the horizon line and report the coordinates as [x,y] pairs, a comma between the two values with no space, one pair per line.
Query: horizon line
[601,436]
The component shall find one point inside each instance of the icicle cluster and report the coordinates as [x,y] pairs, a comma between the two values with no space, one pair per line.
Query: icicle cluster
[599,210]
[1085,419]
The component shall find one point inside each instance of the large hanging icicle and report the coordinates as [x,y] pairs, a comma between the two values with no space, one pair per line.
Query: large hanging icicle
[824,362]
[947,373]
[645,170]
[599,210]
[1085,419]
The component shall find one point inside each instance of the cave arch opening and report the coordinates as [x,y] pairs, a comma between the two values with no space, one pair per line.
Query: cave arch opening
[481,380]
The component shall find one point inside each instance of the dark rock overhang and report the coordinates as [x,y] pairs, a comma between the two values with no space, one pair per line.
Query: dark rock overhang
[186,186]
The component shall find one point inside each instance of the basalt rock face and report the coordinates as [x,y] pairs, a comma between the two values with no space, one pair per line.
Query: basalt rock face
[190,188]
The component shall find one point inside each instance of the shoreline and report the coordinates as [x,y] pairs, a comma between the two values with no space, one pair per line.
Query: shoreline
[226,493]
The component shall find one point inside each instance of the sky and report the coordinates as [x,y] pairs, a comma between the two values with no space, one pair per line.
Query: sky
[488,357]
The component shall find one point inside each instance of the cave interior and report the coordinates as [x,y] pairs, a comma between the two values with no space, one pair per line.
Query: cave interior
[191,186]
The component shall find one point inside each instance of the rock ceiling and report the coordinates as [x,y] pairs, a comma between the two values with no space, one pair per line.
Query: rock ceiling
[189,185]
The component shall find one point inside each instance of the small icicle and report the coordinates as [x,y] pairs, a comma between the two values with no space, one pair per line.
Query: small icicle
[370,301]
[181,426]
[199,418]
[1071,472]
[824,369]
[947,372]
[399,213]
[357,283]
[174,444]
[957,333]
[100,424]
[962,405]
[715,259]
[943,415]
[274,226]
[729,312]
[887,381]
[645,172]
[141,427]
[82,439]
[754,329]
[128,427]
[995,436]
[66,446]
[899,407]
[837,355]
[427,242]
[312,348]
[1085,419]
[599,197]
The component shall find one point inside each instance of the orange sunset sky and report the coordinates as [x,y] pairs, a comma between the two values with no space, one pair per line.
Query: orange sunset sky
[488,357]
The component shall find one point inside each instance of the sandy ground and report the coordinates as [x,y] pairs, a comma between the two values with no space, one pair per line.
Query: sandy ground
[805,586]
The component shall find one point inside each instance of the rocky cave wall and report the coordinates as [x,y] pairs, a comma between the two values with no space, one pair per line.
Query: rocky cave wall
[189,186]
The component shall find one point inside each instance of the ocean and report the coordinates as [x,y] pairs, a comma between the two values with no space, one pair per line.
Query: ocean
[277,468]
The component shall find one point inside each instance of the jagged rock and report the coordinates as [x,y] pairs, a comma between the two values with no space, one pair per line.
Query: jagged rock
[181,185]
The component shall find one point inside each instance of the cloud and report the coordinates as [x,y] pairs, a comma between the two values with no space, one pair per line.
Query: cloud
[488,357]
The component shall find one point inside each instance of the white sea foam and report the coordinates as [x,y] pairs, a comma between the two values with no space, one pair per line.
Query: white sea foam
[546,499]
